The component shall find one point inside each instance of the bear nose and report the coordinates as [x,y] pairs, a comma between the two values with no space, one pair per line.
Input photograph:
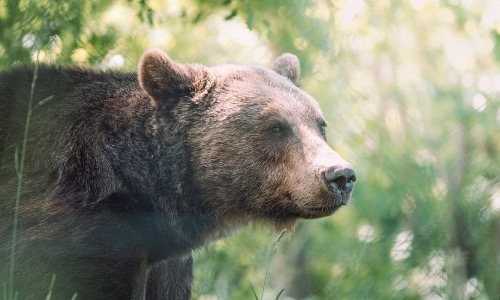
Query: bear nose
[340,178]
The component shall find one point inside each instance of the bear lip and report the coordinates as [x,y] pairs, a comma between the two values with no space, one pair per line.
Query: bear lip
[322,211]
[336,199]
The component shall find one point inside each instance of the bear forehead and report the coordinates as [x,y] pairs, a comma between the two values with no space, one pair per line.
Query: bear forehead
[251,76]
[262,91]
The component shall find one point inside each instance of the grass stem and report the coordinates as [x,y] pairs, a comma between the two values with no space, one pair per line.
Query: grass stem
[19,170]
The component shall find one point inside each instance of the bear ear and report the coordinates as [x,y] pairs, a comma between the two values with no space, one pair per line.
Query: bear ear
[165,81]
[288,65]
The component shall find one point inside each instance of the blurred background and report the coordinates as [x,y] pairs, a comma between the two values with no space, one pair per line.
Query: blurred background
[411,90]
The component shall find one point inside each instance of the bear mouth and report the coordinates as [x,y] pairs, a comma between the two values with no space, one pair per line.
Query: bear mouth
[314,211]
[326,208]
[322,211]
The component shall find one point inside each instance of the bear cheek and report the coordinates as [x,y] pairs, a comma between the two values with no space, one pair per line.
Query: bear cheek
[225,173]
[306,189]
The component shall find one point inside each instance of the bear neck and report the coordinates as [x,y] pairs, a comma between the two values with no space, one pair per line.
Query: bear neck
[137,173]
[158,182]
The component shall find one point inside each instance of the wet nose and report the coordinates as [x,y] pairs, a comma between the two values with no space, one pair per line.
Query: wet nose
[340,178]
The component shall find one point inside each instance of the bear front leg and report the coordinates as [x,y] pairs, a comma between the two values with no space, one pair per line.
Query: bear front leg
[170,279]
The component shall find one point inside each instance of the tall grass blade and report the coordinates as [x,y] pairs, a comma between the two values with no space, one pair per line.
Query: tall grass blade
[49,294]
[45,100]
[279,294]
[254,293]
[275,248]
[19,169]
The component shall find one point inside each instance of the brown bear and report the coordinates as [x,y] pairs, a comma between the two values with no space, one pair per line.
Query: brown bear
[125,174]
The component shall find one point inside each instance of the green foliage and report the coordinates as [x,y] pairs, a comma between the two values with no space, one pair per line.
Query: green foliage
[60,25]
[287,26]
[411,90]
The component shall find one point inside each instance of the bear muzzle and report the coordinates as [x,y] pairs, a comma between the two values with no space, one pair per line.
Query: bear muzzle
[338,185]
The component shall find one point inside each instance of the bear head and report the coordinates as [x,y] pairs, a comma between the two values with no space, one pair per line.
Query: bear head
[256,142]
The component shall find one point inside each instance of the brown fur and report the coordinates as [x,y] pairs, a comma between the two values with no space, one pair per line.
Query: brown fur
[127,174]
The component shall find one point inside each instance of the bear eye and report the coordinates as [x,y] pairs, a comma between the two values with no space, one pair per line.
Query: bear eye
[276,128]
[322,130]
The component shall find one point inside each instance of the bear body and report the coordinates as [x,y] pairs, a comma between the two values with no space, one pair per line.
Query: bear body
[126,174]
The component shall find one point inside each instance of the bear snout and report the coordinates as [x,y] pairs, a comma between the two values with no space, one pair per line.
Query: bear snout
[340,180]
